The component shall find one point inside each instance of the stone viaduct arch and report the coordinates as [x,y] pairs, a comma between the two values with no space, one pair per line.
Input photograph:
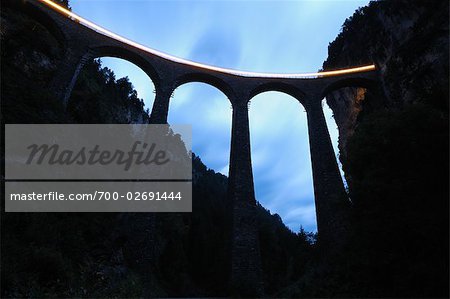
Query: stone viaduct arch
[288,89]
[207,79]
[137,60]
[84,41]
[364,82]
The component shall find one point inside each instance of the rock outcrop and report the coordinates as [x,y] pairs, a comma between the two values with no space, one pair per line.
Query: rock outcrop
[408,42]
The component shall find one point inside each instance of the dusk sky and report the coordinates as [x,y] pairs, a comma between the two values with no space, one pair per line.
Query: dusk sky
[261,36]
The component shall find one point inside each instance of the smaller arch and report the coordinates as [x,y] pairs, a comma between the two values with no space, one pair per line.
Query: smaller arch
[130,56]
[209,79]
[282,87]
[364,82]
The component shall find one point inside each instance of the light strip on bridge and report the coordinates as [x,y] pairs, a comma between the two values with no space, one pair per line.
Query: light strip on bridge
[108,33]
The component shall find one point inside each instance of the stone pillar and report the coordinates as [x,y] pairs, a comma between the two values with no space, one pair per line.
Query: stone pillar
[159,115]
[67,73]
[332,204]
[246,272]
[160,108]
[140,232]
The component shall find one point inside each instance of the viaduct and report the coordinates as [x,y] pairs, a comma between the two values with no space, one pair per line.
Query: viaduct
[83,40]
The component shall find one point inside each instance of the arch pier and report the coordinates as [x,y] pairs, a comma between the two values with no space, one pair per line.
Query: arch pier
[82,40]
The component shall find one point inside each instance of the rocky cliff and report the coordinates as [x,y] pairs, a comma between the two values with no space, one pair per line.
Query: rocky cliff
[394,150]
[408,42]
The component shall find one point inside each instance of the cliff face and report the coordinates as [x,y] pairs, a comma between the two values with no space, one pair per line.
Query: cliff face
[408,41]
[394,148]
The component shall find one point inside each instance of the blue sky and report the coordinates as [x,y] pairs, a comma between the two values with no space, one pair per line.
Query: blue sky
[262,36]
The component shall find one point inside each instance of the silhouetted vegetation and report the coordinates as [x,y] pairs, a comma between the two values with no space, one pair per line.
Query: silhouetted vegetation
[99,97]
[399,166]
